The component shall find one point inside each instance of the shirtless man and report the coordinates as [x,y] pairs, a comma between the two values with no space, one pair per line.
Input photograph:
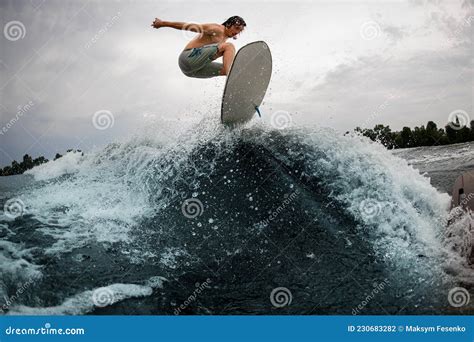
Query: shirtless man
[196,60]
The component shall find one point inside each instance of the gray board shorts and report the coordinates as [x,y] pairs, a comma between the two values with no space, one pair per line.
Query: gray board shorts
[197,62]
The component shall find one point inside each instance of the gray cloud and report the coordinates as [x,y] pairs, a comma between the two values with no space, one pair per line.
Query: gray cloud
[399,92]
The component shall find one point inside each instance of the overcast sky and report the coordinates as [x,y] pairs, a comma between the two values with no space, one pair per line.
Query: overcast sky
[336,63]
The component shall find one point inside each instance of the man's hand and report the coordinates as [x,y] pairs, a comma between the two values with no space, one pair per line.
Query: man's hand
[157,23]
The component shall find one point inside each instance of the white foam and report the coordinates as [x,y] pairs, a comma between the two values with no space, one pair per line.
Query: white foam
[107,193]
[15,270]
[438,157]
[458,240]
[67,164]
[170,257]
[87,301]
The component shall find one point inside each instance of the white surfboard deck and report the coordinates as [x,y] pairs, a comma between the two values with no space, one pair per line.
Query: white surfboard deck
[246,83]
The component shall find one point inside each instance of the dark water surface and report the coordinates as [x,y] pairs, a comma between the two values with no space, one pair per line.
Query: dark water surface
[252,221]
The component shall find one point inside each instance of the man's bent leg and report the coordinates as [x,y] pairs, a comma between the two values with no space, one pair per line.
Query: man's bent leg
[212,69]
[228,53]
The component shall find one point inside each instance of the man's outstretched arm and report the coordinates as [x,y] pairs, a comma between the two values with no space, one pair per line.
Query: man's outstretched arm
[158,23]
[198,28]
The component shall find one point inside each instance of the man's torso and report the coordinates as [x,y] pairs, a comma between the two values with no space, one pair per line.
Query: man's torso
[217,36]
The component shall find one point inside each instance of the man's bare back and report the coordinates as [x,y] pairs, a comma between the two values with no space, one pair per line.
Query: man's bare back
[211,34]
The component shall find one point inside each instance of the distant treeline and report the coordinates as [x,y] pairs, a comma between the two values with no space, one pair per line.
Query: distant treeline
[17,168]
[430,135]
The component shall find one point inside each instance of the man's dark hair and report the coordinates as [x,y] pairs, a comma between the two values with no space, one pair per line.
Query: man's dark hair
[235,20]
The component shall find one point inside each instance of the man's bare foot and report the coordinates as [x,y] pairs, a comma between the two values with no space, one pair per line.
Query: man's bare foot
[223,73]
